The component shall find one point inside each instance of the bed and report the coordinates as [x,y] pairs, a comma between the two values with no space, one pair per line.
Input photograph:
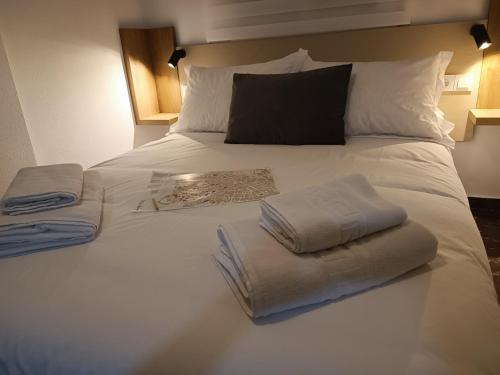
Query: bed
[146,296]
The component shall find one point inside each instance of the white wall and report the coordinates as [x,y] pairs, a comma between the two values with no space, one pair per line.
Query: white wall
[15,145]
[435,11]
[236,19]
[66,62]
[478,162]
[189,16]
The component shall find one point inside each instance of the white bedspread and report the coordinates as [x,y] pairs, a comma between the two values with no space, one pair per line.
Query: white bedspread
[146,297]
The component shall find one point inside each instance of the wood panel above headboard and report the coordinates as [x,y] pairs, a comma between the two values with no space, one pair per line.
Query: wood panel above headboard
[390,43]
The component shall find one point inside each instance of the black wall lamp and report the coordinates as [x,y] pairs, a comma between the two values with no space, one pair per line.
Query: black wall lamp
[481,36]
[178,54]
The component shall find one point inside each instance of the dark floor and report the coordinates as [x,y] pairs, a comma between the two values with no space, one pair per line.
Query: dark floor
[487,215]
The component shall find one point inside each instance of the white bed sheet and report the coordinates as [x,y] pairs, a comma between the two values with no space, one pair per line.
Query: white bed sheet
[146,297]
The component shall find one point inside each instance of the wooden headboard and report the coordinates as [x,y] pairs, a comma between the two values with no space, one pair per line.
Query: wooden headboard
[390,43]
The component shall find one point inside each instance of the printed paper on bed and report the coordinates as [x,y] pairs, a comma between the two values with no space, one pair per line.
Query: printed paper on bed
[171,192]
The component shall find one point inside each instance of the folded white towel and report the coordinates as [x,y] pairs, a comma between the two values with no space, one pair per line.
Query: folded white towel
[43,188]
[267,278]
[67,226]
[321,217]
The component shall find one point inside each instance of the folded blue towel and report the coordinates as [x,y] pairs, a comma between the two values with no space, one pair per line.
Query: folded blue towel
[266,278]
[71,225]
[321,217]
[43,188]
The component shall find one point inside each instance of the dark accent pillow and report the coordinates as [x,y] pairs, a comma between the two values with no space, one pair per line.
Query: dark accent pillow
[290,109]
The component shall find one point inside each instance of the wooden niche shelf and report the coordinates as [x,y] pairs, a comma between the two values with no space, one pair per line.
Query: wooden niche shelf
[488,103]
[154,86]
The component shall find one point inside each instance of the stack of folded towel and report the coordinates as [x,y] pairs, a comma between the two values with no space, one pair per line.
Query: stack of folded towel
[319,244]
[50,206]
[42,188]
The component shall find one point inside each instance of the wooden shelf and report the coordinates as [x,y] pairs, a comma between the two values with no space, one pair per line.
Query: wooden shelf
[458,92]
[154,87]
[485,116]
[160,119]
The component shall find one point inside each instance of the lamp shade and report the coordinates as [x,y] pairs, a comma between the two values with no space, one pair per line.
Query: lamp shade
[176,56]
[481,36]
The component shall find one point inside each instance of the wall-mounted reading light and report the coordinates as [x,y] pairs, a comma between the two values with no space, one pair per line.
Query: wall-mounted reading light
[481,36]
[178,54]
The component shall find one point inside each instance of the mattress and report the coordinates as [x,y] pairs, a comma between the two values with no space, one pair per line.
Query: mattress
[146,296]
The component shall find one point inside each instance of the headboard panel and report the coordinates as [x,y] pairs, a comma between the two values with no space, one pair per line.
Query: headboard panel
[390,43]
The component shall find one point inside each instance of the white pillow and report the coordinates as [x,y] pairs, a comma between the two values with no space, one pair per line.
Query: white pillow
[208,95]
[394,97]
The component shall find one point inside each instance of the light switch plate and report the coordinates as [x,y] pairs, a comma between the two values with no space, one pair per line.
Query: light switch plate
[450,82]
[461,83]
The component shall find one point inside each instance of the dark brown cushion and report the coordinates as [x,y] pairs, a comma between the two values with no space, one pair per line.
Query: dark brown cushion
[290,109]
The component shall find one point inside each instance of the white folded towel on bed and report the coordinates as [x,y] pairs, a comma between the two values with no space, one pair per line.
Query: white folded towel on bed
[267,278]
[43,188]
[67,226]
[320,217]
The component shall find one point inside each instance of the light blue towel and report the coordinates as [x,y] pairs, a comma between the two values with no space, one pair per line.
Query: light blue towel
[266,278]
[43,188]
[328,215]
[67,226]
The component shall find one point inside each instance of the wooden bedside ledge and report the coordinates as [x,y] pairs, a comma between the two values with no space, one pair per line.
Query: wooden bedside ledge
[159,119]
[457,92]
[485,116]
[153,86]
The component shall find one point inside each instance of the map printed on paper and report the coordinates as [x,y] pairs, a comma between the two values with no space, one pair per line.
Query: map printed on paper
[170,191]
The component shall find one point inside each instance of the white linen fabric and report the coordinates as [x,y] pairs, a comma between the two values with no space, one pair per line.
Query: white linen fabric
[206,104]
[446,128]
[324,216]
[146,297]
[66,226]
[394,97]
[266,278]
[43,188]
